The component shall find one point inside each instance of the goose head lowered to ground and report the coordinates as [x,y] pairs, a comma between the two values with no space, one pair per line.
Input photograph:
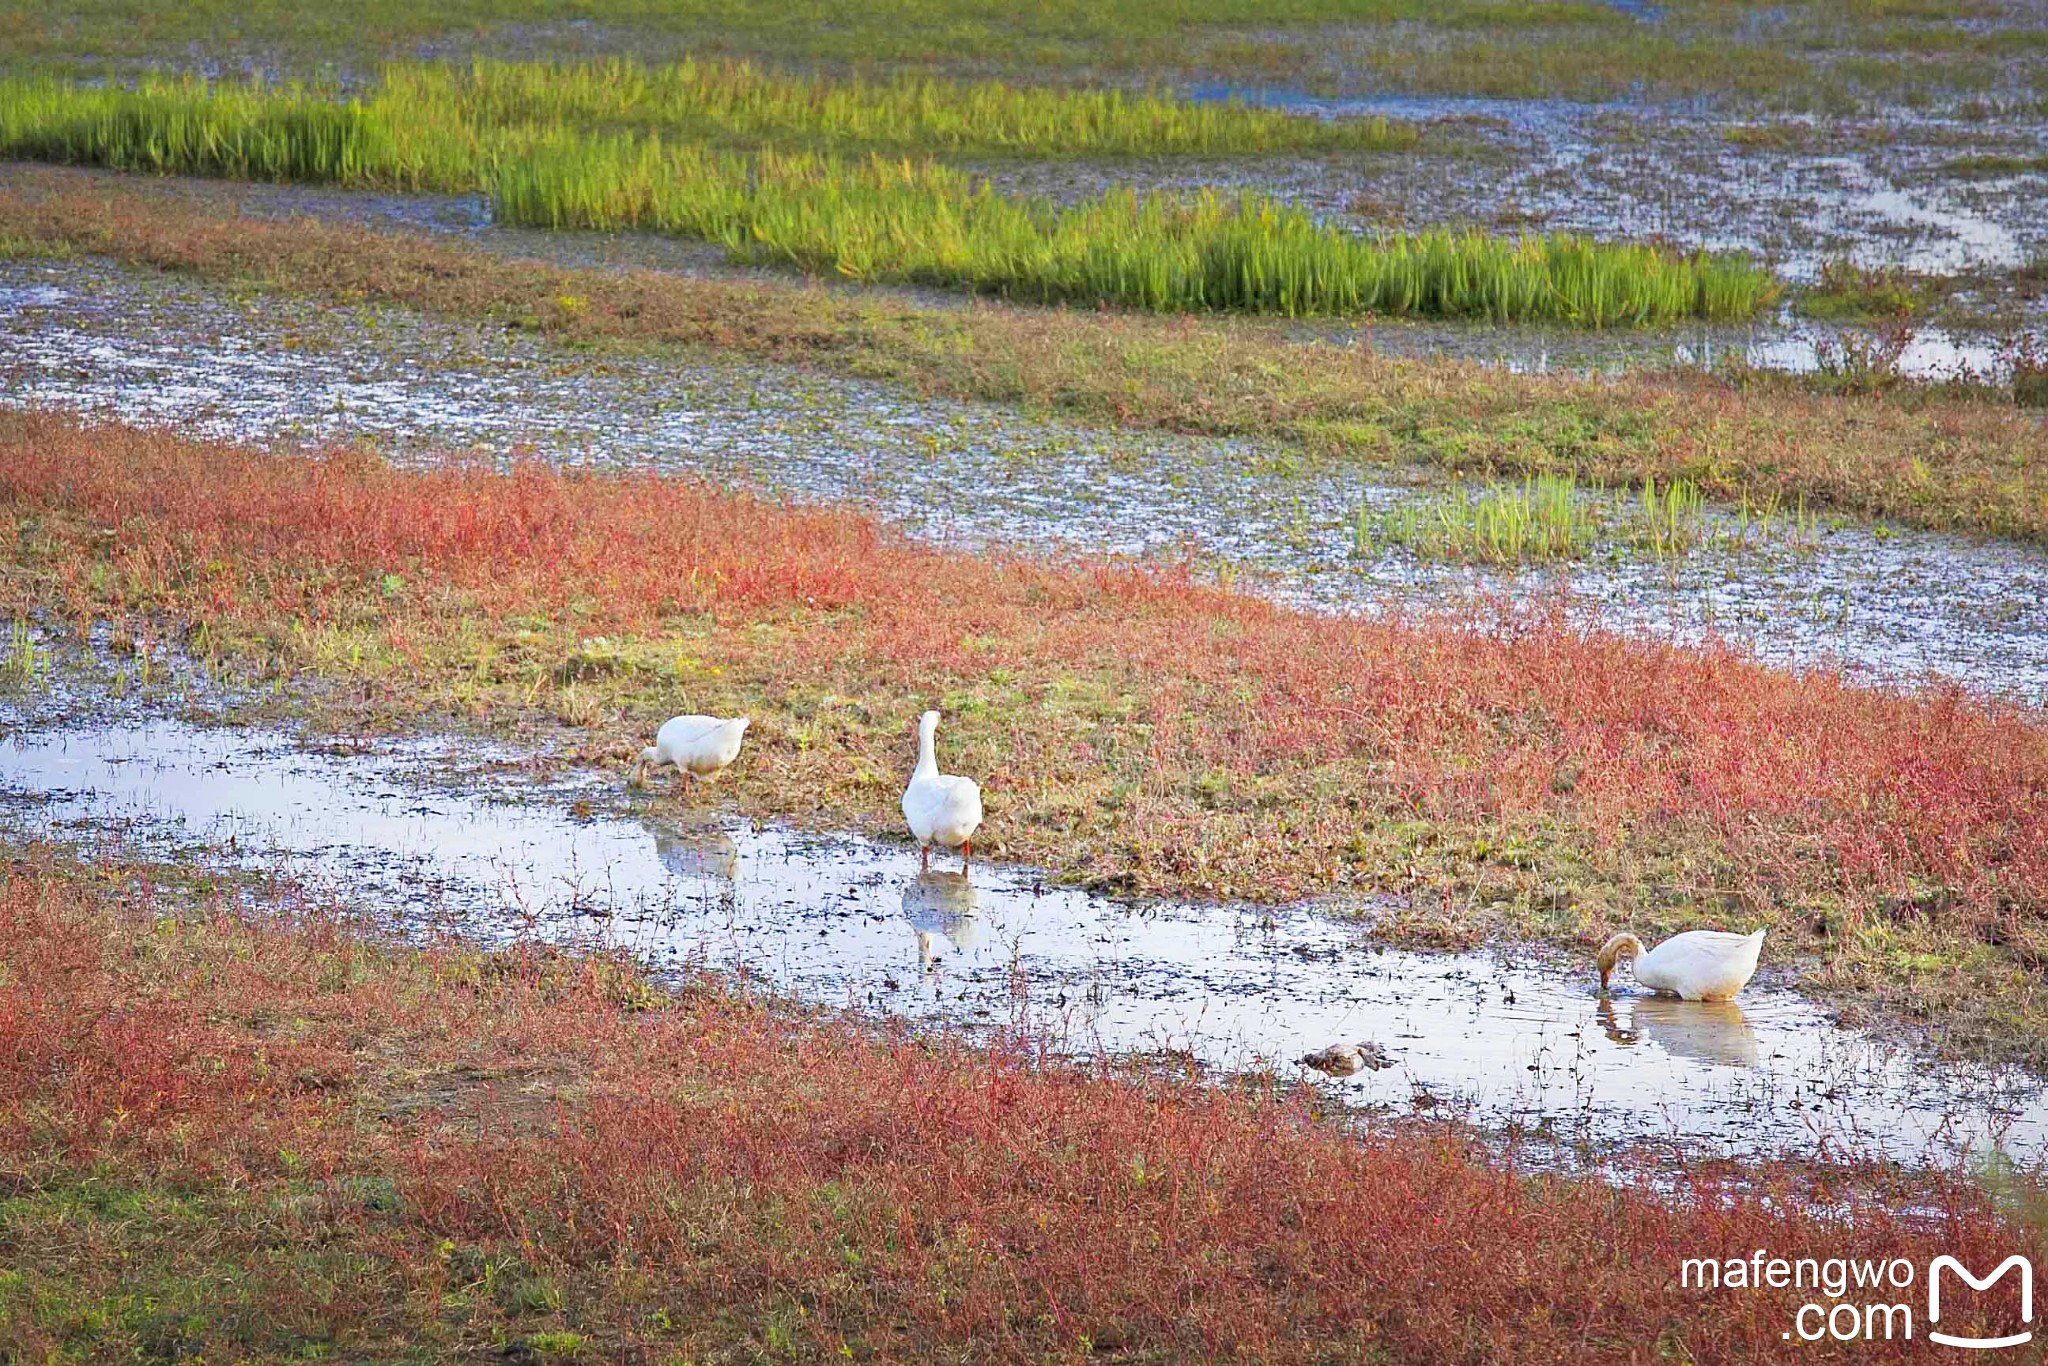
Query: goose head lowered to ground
[1699,965]
[699,746]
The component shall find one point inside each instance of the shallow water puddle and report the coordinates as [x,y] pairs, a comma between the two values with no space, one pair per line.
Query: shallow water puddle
[1891,605]
[1878,188]
[421,830]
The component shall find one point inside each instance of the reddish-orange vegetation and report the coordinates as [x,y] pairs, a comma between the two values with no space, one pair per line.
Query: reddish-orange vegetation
[1930,805]
[247,1131]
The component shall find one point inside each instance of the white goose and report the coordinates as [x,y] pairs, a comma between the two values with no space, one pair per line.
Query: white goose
[1700,965]
[699,746]
[939,808]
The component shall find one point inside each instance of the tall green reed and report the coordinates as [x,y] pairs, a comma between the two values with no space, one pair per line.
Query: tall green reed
[743,103]
[244,132]
[870,218]
[878,219]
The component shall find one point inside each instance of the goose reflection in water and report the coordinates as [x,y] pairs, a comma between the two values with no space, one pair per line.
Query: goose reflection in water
[1705,1031]
[942,908]
[699,853]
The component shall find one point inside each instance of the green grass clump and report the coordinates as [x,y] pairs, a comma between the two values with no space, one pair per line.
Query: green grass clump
[1553,517]
[1543,518]
[747,104]
[868,218]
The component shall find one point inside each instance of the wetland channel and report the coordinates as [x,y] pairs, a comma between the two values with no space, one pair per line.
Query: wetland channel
[442,835]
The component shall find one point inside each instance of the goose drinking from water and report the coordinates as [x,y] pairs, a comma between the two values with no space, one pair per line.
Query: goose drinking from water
[699,746]
[1700,965]
[940,808]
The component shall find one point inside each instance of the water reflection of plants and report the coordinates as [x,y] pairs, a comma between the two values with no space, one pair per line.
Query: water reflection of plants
[1555,517]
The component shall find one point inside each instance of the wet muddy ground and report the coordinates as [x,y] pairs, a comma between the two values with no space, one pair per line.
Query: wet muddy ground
[1523,166]
[1927,195]
[443,835]
[1891,604]
[1901,189]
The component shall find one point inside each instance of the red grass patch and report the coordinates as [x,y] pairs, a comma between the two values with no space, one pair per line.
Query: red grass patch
[726,1175]
[1798,786]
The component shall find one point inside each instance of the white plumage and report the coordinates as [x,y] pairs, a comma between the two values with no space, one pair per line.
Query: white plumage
[699,746]
[938,807]
[1700,965]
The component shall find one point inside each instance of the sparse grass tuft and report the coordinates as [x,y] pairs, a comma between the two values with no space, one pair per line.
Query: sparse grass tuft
[1543,519]
[1847,292]
[1865,362]
[2026,356]
[26,660]
[1778,135]
[1552,517]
